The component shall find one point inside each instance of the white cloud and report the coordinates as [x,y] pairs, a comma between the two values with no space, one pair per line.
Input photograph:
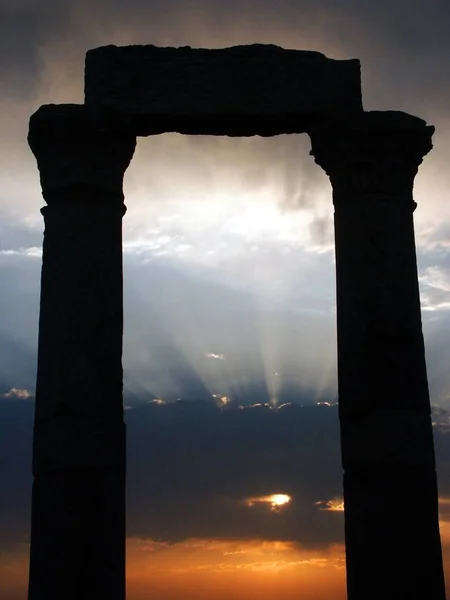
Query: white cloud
[20,394]
[215,356]
[435,288]
[34,252]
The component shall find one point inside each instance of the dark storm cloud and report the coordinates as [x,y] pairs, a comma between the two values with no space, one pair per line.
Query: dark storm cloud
[193,465]
[16,426]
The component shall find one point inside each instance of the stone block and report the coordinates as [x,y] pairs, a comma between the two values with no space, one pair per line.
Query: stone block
[238,91]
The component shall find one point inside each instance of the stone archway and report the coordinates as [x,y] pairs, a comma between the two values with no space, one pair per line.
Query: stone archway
[78,516]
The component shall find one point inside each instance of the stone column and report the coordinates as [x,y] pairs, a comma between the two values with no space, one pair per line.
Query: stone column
[391,505]
[78,502]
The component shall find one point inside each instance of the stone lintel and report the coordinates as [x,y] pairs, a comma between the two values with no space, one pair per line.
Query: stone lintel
[81,147]
[67,443]
[239,91]
[388,437]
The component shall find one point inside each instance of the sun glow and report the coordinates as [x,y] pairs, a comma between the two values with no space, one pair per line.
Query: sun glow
[275,501]
[279,499]
[251,234]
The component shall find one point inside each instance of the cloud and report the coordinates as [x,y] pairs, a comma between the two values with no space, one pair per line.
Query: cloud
[191,465]
[435,287]
[197,471]
[18,393]
[230,456]
[45,47]
[17,365]
[16,430]
[173,316]
[215,356]
[249,209]
[333,505]
[244,225]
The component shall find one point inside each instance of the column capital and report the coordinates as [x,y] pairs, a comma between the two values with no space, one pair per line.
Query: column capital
[375,153]
[82,149]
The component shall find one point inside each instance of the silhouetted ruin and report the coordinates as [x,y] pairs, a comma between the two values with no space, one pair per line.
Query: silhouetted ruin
[392,536]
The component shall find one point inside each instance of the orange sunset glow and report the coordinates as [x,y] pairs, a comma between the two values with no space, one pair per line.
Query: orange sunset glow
[243,569]
[333,505]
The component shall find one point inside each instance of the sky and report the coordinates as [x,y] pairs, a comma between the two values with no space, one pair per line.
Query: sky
[229,289]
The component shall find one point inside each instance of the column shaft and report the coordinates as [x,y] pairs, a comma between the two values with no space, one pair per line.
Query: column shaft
[79,454]
[391,506]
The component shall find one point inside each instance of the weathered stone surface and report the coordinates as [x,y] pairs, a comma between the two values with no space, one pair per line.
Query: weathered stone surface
[371,161]
[237,91]
[389,437]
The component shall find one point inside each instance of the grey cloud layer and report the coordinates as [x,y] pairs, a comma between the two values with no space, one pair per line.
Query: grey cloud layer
[175,315]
